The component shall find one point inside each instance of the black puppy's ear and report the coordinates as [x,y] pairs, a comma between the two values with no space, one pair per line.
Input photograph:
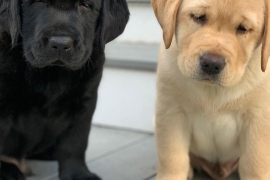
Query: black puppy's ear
[10,18]
[114,16]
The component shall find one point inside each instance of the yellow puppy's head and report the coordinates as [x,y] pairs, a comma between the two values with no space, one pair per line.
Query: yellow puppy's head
[216,38]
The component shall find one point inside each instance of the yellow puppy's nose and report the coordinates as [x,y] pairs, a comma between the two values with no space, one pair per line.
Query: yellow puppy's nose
[212,64]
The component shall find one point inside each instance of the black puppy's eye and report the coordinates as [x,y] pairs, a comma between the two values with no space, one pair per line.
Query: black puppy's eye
[199,19]
[85,5]
[241,29]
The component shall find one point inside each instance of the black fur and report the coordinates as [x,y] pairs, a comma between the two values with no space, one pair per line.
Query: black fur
[48,96]
[10,172]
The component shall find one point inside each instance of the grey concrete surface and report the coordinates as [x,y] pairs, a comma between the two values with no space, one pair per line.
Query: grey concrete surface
[140,56]
[114,155]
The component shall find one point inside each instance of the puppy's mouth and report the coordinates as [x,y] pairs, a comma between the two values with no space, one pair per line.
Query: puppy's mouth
[42,62]
[72,60]
[57,63]
[206,79]
[210,79]
[213,81]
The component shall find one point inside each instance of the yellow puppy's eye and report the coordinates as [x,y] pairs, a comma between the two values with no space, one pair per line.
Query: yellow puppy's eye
[199,19]
[241,29]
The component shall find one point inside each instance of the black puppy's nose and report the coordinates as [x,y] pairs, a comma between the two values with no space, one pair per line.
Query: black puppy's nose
[61,43]
[212,64]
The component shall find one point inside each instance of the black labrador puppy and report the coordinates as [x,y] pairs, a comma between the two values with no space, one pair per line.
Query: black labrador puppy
[51,61]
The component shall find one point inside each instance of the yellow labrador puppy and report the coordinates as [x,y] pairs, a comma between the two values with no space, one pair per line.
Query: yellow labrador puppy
[213,104]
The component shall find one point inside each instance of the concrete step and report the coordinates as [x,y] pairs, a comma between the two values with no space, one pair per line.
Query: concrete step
[141,56]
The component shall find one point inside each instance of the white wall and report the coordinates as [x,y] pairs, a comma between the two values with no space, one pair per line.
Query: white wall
[126,99]
[142,26]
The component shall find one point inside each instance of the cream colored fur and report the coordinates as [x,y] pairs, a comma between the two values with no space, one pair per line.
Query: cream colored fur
[224,120]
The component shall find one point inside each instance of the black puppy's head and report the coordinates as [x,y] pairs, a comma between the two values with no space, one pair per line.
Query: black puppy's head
[63,32]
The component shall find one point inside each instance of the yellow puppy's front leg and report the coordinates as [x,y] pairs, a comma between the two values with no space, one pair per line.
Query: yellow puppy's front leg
[173,136]
[255,161]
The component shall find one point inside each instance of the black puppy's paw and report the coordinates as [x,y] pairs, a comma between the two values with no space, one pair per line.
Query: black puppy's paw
[92,177]
[80,175]
[10,172]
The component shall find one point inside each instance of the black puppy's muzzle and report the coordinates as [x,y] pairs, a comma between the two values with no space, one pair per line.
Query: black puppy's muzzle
[61,46]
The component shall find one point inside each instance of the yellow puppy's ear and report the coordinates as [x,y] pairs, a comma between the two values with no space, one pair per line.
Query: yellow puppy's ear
[266,37]
[166,13]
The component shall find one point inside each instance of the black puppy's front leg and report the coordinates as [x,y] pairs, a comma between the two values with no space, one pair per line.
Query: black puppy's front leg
[10,172]
[7,171]
[72,146]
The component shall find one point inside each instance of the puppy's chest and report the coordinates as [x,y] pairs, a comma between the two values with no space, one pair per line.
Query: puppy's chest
[215,137]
